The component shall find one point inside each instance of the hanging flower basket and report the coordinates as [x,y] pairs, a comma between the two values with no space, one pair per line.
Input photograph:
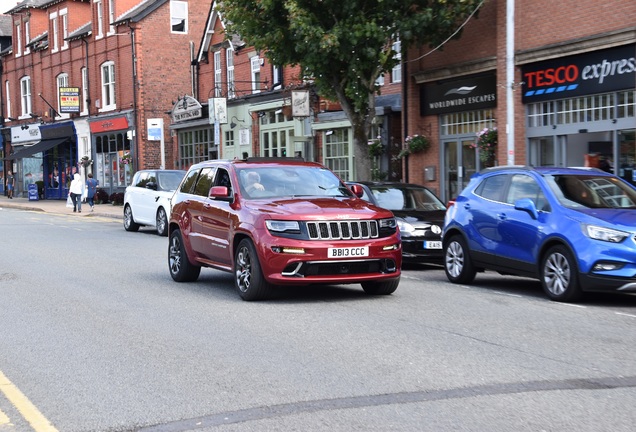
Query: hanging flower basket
[126,159]
[487,140]
[414,144]
[86,161]
[375,147]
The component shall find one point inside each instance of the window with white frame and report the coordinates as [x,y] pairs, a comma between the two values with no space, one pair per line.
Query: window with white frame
[338,152]
[18,41]
[111,16]
[27,36]
[277,75]
[62,81]
[380,80]
[396,73]
[108,86]
[218,88]
[7,92]
[229,61]
[256,74]
[64,16]
[179,16]
[25,96]
[53,40]
[84,91]
[99,11]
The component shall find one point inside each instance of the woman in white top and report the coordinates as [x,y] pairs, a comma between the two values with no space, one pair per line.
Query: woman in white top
[75,191]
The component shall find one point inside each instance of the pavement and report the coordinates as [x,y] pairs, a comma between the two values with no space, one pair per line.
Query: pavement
[59,207]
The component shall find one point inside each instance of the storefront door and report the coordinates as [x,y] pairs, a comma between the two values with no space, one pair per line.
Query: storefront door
[460,163]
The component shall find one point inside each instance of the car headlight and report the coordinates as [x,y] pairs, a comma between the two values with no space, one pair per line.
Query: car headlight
[405,227]
[604,234]
[387,223]
[282,226]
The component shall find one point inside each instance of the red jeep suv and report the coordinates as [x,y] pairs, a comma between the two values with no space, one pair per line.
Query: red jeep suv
[280,221]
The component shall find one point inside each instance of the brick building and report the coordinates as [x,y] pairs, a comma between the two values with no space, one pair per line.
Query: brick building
[264,110]
[570,83]
[87,82]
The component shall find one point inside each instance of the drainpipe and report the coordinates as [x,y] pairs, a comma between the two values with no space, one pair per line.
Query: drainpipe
[510,81]
[405,109]
[134,83]
[88,82]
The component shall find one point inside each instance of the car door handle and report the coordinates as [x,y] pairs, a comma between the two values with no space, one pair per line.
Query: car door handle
[502,216]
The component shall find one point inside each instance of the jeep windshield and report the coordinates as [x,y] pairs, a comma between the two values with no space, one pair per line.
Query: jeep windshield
[290,181]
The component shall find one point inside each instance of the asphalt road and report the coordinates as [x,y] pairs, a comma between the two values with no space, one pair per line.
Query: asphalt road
[95,336]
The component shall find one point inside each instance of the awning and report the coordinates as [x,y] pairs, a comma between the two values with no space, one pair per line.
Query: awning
[37,148]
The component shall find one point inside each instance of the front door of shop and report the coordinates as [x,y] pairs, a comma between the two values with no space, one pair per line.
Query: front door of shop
[460,163]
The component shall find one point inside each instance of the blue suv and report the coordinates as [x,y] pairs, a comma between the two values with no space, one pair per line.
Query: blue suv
[574,229]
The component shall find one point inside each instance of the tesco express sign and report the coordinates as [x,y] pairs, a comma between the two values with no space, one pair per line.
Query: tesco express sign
[597,72]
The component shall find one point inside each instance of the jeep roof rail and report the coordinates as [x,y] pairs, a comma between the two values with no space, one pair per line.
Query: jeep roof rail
[273,159]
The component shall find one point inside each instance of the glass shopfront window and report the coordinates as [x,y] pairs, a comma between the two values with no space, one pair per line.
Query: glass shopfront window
[110,171]
[196,146]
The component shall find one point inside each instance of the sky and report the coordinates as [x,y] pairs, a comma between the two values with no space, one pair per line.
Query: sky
[5,5]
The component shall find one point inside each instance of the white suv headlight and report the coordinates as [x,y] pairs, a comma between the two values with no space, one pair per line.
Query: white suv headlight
[282,226]
[604,234]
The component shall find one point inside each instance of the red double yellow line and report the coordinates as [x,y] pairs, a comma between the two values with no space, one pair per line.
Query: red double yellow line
[29,412]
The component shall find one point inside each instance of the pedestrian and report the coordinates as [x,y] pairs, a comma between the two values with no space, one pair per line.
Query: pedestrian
[75,191]
[10,184]
[91,187]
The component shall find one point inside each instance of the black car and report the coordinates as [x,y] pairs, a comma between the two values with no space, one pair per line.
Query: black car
[419,214]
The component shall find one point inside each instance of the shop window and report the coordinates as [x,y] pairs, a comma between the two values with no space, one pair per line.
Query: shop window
[195,146]
[338,152]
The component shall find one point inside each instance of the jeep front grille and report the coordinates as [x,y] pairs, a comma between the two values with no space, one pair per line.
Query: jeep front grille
[342,230]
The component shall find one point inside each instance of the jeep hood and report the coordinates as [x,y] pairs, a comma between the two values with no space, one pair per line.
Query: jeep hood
[319,208]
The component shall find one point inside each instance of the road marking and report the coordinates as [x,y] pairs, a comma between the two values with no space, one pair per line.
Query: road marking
[625,314]
[4,419]
[30,413]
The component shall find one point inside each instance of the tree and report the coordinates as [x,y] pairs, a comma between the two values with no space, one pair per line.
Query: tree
[344,45]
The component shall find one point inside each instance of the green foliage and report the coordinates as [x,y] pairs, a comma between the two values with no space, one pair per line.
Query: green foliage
[343,45]
[414,144]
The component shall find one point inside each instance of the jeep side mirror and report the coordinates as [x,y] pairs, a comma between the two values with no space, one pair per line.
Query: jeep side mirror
[220,193]
[357,190]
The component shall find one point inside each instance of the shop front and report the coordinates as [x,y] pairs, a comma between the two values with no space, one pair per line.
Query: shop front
[464,107]
[198,132]
[112,153]
[580,111]
[48,162]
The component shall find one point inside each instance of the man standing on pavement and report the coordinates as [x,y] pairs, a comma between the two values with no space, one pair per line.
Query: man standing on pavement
[10,184]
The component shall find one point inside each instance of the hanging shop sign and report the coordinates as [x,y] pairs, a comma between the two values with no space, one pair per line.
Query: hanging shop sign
[596,72]
[187,108]
[465,94]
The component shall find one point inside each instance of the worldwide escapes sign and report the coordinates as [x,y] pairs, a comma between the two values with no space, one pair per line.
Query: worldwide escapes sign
[590,73]
[465,94]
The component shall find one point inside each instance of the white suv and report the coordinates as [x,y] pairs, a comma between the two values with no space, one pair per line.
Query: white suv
[147,199]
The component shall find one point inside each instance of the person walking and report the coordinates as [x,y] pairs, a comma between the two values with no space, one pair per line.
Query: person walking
[10,184]
[91,188]
[75,191]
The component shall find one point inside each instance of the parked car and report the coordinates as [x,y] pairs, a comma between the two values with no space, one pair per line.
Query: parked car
[573,229]
[147,199]
[280,221]
[419,214]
